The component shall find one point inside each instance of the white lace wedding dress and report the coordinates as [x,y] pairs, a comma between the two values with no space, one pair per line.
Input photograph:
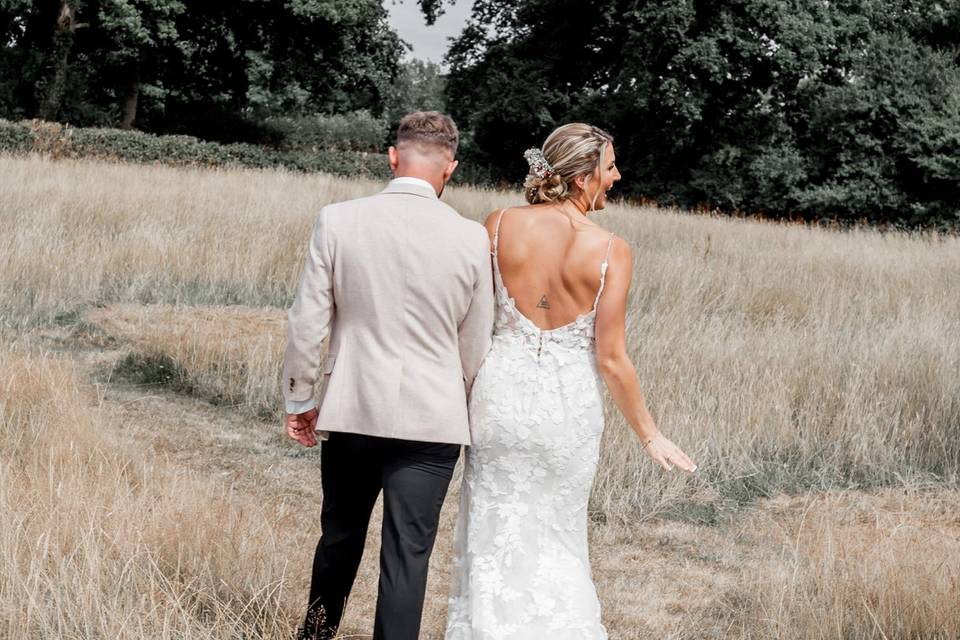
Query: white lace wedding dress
[521,569]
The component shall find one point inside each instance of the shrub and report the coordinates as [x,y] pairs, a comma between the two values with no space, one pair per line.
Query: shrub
[354,131]
[56,140]
[15,138]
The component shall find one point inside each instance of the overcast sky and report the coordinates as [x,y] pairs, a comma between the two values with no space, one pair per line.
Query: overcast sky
[429,43]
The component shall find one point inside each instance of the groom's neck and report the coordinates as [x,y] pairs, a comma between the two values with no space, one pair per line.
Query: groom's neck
[435,179]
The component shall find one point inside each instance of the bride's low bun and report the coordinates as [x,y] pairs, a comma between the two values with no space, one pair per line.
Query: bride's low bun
[572,150]
[549,189]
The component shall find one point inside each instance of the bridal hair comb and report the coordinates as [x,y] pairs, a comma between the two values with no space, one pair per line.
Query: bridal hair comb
[538,164]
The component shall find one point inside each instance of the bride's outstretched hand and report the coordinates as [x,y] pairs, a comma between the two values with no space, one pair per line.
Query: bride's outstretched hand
[667,454]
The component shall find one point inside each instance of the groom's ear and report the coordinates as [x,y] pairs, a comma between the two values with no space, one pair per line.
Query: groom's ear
[451,167]
[393,156]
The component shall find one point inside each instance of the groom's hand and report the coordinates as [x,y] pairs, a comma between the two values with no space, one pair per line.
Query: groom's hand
[302,427]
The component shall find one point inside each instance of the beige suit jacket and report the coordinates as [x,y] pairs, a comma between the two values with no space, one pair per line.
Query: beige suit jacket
[403,284]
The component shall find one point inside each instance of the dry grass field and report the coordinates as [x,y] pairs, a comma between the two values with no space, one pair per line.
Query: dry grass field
[146,489]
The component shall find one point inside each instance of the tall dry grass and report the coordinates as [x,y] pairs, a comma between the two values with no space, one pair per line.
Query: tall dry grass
[99,541]
[79,233]
[780,357]
[840,566]
[226,355]
[789,357]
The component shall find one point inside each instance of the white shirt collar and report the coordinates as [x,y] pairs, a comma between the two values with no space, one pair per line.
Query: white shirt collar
[414,181]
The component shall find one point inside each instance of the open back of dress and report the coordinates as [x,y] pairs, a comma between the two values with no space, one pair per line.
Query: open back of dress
[555,262]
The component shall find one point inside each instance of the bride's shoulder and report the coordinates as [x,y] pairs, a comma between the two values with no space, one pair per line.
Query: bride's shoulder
[491,219]
[619,253]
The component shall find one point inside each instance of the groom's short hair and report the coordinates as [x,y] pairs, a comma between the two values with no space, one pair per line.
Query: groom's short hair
[428,128]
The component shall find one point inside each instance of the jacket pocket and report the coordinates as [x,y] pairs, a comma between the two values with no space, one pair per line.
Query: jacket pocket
[323,393]
[328,363]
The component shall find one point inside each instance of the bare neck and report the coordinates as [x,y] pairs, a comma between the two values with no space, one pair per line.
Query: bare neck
[435,179]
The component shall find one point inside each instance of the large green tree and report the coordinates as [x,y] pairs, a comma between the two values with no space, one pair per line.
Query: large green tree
[791,107]
[188,65]
[419,86]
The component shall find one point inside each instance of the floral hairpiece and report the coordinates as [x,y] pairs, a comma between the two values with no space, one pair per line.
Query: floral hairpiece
[538,164]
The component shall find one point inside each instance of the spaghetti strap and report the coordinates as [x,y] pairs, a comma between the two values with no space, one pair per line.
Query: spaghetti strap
[496,232]
[603,271]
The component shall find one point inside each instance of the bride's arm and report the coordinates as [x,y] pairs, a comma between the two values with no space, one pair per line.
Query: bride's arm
[616,368]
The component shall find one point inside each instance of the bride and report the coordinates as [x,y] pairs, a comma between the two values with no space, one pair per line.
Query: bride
[521,568]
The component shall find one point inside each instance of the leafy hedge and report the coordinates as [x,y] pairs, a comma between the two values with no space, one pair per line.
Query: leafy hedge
[63,141]
[15,138]
[353,131]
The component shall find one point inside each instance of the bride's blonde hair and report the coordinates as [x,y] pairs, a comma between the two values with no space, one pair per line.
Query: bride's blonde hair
[571,150]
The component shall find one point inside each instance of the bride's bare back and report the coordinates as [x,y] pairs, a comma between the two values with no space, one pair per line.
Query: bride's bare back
[550,264]
[549,261]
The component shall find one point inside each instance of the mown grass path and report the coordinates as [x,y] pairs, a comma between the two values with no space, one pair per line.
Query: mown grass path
[652,578]
[147,489]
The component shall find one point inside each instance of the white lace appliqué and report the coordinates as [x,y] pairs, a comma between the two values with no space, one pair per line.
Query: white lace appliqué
[521,565]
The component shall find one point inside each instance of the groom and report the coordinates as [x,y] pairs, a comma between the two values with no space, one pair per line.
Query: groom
[403,284]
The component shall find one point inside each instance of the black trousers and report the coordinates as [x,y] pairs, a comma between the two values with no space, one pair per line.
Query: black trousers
[414,477]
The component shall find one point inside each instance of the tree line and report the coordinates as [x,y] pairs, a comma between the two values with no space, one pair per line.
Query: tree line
[212,69]
[841,109]
[846,109]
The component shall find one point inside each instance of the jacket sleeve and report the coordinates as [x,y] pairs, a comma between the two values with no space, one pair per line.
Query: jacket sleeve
[308,320]
[477,325]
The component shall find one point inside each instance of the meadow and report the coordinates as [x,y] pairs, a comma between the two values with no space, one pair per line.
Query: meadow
[147,489]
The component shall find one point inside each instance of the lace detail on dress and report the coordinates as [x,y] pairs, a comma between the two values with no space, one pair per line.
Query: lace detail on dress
[521,564]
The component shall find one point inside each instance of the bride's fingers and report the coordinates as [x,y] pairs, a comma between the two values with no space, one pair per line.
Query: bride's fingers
[675,454]
[657,456]
[684,461]
[667,454]
[664,462]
